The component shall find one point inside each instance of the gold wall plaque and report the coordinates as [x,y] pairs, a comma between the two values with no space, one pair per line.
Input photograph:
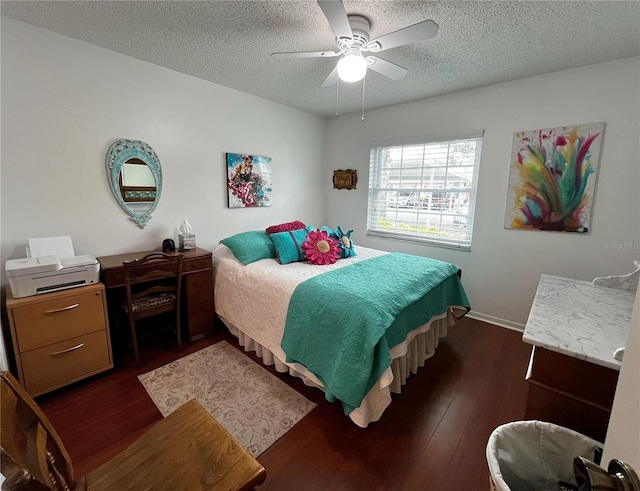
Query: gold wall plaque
[345,179]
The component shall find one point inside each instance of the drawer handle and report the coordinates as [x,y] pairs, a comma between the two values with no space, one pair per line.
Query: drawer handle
[199,265]
[68,307]
[73,348]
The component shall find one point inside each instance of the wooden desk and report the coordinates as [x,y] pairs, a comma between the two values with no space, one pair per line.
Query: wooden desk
[197,280]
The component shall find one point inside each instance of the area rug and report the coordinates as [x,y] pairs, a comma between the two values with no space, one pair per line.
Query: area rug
[253,405]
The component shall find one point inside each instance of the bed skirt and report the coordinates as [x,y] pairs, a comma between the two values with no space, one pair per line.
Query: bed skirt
[407,357]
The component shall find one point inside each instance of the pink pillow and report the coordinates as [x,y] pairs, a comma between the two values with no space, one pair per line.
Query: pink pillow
[321,249]
[285,227]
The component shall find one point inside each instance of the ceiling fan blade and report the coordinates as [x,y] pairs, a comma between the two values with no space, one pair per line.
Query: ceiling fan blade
[386,68]
[331,79]
[306,54]
[337,16]
[417,32]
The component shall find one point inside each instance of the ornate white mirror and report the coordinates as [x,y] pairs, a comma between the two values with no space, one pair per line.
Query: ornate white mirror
[135,177]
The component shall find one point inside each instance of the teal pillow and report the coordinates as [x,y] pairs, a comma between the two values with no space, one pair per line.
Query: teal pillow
[289,245]
[250,246]
[346,244]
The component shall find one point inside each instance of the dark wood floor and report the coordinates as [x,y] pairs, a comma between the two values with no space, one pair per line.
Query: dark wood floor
[432,437]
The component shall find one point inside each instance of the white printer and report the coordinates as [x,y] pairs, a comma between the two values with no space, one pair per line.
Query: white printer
[51,267]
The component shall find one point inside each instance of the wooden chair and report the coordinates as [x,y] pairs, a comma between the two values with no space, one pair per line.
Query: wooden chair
[153,285]
[186,450]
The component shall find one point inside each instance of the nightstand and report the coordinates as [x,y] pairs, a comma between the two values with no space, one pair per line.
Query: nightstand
[59,338]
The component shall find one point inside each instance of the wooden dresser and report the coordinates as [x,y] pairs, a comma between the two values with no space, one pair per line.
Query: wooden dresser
[197,284]
[59,338]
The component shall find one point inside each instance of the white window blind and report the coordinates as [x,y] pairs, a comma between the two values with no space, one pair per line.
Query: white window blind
[425,191]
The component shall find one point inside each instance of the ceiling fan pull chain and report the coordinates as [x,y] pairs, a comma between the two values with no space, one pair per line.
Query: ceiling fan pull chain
[364,83]
[337,97]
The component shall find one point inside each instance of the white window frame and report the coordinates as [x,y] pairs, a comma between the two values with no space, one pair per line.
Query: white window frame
[387,218]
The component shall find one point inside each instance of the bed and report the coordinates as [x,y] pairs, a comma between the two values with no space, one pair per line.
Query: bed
[263,304]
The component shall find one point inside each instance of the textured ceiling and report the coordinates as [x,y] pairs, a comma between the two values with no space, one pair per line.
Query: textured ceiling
[228,42]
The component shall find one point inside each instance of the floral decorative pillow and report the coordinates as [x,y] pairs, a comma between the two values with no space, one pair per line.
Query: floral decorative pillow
[345,243]
[320,248]
[285,227]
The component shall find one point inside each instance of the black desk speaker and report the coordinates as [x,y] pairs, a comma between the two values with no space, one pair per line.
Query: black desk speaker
[168,245]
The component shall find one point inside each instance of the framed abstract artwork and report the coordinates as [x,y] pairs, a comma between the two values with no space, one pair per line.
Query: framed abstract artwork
[248,180]
[553,177]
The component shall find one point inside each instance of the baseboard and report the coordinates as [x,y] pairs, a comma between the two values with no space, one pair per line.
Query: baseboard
[515,326]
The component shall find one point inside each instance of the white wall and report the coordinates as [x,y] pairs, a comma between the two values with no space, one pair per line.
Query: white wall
[502,271]
[64,102]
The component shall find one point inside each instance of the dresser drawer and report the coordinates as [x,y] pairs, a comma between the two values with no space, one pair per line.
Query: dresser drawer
[200,303]
[583,380]
[201,325]
[112,279]
[48,322]
[65,362]
[199,283]
[196,264]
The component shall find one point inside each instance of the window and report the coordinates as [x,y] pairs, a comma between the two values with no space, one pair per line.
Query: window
[425,191]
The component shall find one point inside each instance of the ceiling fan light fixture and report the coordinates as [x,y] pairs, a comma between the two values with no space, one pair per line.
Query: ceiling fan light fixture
[352,66]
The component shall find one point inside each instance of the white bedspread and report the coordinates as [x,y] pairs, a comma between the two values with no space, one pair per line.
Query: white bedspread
[253,300]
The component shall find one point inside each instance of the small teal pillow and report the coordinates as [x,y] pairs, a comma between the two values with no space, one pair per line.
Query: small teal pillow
[346,244]
[288,245]
[250,246]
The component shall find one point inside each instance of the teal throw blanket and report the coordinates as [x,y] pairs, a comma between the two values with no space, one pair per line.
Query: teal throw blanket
[341,324]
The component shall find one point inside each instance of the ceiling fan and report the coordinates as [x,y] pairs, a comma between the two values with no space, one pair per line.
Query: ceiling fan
[352,38]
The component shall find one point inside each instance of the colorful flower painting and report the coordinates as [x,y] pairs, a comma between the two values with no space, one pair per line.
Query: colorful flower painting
[552,178]
[248,180]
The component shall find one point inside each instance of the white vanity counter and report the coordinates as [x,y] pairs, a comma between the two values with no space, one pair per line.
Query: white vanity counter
[575,327]
[580,320]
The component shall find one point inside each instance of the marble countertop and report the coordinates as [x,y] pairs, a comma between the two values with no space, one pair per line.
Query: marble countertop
[579,319]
